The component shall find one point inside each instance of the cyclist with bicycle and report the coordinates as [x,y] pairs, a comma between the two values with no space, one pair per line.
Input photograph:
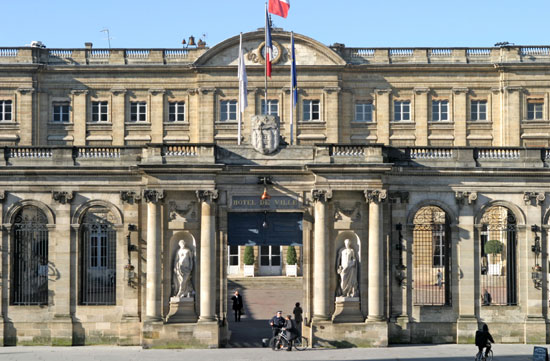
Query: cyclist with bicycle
[291,331]
[277,323]
[483,340]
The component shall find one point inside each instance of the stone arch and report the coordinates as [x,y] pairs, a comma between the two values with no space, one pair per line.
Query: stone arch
[518,213]
[83,208]
[16,207]
[451,216]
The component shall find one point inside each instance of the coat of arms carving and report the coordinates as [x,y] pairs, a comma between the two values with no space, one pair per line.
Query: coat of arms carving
[265,133]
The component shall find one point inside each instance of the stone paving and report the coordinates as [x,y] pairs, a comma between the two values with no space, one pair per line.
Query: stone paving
[403,353]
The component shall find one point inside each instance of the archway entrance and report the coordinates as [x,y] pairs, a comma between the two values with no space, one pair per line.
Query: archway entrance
[260,247]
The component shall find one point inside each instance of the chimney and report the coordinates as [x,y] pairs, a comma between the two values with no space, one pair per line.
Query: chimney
[88,45]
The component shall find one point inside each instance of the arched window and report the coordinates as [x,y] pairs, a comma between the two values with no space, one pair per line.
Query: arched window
[98,258]
[30,257]
[431,257]
[498,241]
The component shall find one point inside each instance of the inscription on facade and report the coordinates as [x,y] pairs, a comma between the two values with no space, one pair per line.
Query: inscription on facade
[254,202]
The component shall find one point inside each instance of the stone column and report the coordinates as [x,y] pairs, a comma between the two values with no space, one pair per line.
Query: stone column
[459,115]
[320,255]
[4,277]
[383,114]
[80,97]
[157,114]
[421,115]
[25,116]
[207,256]
[153,307]
[330,113]
[376,255]
[118,111]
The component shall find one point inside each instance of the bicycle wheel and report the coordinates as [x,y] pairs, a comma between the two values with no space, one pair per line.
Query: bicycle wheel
[300,343]
[489,356]
[272,341]
[281,343]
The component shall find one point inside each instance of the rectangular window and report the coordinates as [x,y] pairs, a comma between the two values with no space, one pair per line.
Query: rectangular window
[402,110]
[534,109]
[363,112]
[176,112]
[228,110]
[311,110]
[61,112]
[478,110]
[233,255]
[138,111]
[438,246]
[100,111]
[272,107]
[5,111]
[440,110]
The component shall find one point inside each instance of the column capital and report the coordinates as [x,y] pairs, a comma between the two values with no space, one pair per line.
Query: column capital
[129,197]
[462,196]
[79,91]
[207,195]
[62,197]
[24,91]
[321,195]
[534,198]
[383,91]
[332,89]
[420,90]
[376,195]
[153,196]
[206,90]
[118,91]
[157,91]
[461,90]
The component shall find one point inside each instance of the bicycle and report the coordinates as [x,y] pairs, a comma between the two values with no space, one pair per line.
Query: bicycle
[481,356]
[280,342]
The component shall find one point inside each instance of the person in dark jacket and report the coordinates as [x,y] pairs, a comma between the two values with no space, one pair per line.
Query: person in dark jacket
[298,317]
[291,331]
[276,323]
[237,305]
[484,339]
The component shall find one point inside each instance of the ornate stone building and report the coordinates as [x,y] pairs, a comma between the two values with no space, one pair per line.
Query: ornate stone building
[433,163]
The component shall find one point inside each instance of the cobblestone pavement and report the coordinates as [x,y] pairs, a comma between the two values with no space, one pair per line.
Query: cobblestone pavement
[402,353]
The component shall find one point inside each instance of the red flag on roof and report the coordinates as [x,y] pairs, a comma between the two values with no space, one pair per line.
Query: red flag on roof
[279,7]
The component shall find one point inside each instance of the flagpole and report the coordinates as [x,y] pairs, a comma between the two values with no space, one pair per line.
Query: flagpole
[240,91]
[265,57]
[292,88]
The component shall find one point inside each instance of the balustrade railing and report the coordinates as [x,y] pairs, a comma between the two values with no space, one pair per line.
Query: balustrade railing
[60,53]
[478,52]
[347,150]
[137,54]
[441,52]
[361,53]
[431,153]
[98,152]
[535,50]
[401,52]
[496,153]
[180,150]
[176,53]
[29,152]
[8,53]
[100,54]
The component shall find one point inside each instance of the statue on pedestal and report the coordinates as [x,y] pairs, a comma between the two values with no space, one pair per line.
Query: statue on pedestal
[347,270]
[183,265]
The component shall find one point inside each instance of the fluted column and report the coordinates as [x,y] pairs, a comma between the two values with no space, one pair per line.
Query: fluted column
[207,256]
[153,308]
[376,255]
[320,255]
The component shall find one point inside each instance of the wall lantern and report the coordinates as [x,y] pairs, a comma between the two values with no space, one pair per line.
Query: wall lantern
[400,268]
[129,269]
[536,275]
[265,181]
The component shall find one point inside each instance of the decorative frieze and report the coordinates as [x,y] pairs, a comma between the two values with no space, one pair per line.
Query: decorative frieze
[62,197]
[464,196]
[321,195]
[207,195]
[153,196]
[534,198]
[129,197]
[376,195]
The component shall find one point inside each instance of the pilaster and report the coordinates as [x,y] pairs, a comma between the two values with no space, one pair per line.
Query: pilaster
[79,103]
[383,113]
[511,124]
[118,111]
[25,115]
[156,97]
[460,117]
[331,113]
[421,115]
[208,111]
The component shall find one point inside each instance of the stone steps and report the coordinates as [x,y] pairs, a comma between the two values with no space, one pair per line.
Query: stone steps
[271,282]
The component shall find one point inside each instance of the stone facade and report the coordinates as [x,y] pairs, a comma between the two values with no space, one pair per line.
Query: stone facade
[138,147]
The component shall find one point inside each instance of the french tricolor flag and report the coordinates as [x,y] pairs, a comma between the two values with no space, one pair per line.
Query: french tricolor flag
[279,7]
[268,47]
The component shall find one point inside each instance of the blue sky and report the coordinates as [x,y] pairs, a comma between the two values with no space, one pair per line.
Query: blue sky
[356,23]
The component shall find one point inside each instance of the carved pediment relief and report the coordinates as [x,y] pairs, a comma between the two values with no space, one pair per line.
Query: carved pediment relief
[185,211]
[347,211]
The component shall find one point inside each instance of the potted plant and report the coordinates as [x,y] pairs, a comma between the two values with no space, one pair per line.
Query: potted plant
[248,261]
[494,247]
[291,262]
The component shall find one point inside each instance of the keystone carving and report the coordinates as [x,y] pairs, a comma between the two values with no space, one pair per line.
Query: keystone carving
[376,195]
[62,197]
[207,195]
[129,197]
[153,196]
[534,198]
[321,195]
[463,196]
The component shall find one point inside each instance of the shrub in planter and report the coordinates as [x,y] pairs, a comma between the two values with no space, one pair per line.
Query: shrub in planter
[248,256]
[291,256]
[493,247]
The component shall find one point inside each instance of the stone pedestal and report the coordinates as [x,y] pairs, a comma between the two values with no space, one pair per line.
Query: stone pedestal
[182,310]
[347,309]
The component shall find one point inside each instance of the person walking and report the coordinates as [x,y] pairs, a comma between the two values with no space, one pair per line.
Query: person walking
[291,331]
[237,305]
[298,318]
[276,323]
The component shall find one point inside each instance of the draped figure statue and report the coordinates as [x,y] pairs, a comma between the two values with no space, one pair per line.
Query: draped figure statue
[183,265]
[347,270]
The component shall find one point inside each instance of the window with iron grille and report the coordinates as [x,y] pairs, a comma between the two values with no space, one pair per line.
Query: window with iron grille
[138,111]
[228,110]
[61,112]
[5,111]
[401,110]
[440,110]
[98,258]
[534,109]
[176,112]
[478,110]
[363,112]
[311,110]
[431,257]
[272,107]
[100,111]
[498,247]
[30,258]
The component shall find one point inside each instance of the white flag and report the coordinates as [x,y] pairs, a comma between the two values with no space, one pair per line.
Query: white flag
[243,82]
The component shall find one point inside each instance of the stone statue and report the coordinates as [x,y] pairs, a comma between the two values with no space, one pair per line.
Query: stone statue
[347,269]
[265,133]
[183,265]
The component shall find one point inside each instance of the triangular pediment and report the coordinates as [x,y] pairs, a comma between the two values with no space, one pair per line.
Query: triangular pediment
[308,51]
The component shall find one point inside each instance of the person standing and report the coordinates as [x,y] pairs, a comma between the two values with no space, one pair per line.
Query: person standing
[298,318]
[291,331]
[237,305]
[276,323]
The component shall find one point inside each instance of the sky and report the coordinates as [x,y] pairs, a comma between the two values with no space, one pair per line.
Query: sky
[355,23]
